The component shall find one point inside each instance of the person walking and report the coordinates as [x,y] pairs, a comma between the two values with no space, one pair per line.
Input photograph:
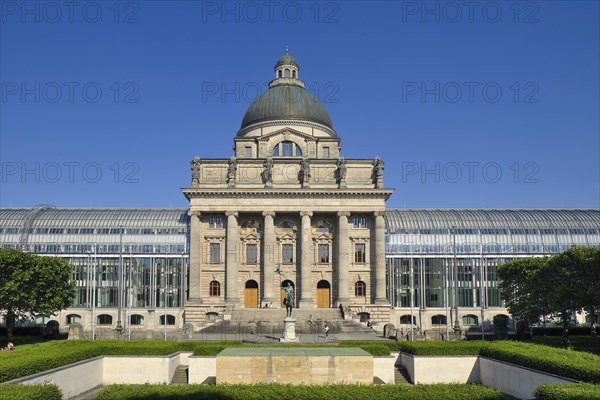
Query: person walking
[326,331]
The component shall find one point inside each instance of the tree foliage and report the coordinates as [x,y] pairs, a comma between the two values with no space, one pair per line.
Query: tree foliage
[560,285]
[33,285]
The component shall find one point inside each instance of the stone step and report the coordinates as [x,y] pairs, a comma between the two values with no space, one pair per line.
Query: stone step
[401,376]
[262,314]
[181,375]
[275,327]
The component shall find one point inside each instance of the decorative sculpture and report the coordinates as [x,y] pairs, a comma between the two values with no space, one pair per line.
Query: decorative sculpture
[304,174]
[378,172]
[195,167]
[231,170]
[268,172]
[341,171]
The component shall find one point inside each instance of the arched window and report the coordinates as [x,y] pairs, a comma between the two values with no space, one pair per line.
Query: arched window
[293,73]
[215,288]
[73,319]
[279,74]
[470,319]
[136,319]
[104,319]
[170,319]
[405,319]
[286,73]
[501,319]
[438,320]
[360,289]
[287,148]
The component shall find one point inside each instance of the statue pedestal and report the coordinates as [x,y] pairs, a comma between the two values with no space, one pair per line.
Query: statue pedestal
[289,331]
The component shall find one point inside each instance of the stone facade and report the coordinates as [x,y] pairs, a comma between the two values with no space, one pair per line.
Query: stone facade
[286,207]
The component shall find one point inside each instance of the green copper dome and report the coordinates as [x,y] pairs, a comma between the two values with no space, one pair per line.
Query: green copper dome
[287,102]
[286,59]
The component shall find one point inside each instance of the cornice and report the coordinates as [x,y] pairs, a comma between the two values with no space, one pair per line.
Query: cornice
[286,193]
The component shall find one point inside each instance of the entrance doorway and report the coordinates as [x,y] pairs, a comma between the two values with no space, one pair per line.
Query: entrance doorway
[323,294]
[251,294]
[284,284]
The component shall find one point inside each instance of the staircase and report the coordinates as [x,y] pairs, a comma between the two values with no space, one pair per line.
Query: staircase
[401,376]
[264,321]
[181,375]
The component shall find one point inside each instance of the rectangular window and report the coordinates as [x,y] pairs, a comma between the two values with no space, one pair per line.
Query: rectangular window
[287,253]
[325,152]
[215,253]
[359,252]
[360,222]
[247,151]
[286,149]
[324,253]
[215,221]
[251,255]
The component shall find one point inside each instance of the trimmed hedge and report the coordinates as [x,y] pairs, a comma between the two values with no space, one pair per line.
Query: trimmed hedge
[31,359]
[590,344]
[30,392]
[300,392]
[558,330]
[568,363]
[580,391]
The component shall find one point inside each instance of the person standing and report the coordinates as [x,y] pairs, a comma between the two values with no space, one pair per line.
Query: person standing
[326,331]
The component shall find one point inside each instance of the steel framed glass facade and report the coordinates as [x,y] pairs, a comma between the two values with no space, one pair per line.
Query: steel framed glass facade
[428,251]
[425,249]
[151,245]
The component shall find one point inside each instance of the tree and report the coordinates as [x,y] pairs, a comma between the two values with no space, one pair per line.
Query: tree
[523,287]
[564,284]
[33,285]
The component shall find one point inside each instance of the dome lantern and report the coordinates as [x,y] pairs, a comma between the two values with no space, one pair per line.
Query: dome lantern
[287,68]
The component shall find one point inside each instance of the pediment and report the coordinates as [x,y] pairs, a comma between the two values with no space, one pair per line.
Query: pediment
[286,134]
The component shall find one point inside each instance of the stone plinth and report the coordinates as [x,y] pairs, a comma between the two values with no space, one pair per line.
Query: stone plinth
[317,366]
[289,331]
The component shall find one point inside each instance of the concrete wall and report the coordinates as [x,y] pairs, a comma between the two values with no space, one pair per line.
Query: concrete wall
[515,380]
[442,369]
[72,379]
[295,369]
[201,368]
[383,368]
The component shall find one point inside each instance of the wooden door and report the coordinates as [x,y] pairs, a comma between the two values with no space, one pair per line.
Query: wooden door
[323,294]
[251,298]
[251,294]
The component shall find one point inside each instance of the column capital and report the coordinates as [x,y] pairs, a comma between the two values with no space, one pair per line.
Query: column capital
[231,213]
[379,213]
[306,213]
[196,213]
[343,214]
[268,213]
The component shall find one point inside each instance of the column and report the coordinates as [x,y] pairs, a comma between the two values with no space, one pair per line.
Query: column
[343,258]
[195,257]
[306,261]
[231,280]
[268,257]
[380,258]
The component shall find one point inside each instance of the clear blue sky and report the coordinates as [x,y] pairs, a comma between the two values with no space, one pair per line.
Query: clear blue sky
[491,106]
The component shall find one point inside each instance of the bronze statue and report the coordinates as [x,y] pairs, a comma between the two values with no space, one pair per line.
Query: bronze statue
[289,299]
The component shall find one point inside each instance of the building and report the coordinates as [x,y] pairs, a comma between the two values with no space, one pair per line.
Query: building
[287,207]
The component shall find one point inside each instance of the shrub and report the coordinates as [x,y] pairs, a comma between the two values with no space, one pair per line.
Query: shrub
[590,344]
[31,359]
[568,363]
[580,391]
[558,330]
[300,392]
[30,392]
